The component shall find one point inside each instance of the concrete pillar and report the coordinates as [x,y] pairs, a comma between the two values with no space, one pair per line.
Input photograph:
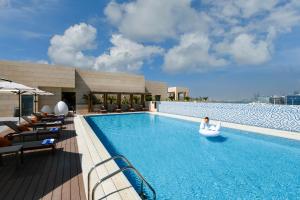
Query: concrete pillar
[90,103]
[143,100]
[131,100]
[119,100]
[105,100]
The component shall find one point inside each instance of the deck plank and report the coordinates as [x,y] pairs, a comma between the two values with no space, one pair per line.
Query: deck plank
[67,172]
[57,190]
[27,180]
[74,180]
[43,175]
[34,185]
[79,172]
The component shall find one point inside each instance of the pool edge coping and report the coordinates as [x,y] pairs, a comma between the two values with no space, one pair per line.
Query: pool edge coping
[87,143]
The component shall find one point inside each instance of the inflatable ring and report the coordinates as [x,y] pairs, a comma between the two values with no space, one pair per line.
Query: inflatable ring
[209,133]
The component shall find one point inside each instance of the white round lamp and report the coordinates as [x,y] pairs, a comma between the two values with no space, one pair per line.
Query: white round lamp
[61,108]
[46,109]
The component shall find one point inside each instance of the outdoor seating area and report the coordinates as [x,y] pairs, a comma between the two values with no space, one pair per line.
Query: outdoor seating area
[32,170]
[118,102]
[39,156]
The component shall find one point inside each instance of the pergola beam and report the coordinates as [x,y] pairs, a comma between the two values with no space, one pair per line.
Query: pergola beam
[126,93]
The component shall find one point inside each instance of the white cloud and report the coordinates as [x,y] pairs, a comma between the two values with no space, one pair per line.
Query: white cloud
[155,20]
[114,12]
[67,49]
[125,55]
[283,18]
[244,30]
[217,33]
[246,50]
[4,3]
[240,8]
[192,54]
[252,7]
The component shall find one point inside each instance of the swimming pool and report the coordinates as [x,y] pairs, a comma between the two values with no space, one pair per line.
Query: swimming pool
[181,164]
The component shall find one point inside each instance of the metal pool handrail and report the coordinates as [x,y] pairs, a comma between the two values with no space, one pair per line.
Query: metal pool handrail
[103,162]
[122,170]
[130,166]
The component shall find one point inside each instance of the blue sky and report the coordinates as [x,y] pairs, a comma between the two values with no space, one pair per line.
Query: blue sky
[222,49]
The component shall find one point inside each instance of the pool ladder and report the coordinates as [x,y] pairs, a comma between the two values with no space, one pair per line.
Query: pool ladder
[128,167]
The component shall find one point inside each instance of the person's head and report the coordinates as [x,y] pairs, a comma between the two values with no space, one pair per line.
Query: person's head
[206,119]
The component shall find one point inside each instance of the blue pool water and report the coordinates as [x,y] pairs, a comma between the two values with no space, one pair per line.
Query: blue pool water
[181,164]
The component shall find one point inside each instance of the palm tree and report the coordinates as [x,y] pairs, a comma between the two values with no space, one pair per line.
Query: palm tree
[95,100]
[136,99]
[111,99]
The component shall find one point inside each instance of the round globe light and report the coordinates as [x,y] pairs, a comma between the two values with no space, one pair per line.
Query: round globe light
[61,108]
[46,109]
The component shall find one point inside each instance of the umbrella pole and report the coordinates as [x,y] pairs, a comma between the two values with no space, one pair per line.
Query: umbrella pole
[19,106]
[35,102]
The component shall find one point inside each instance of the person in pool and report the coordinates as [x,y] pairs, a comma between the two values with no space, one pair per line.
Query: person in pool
[206,126]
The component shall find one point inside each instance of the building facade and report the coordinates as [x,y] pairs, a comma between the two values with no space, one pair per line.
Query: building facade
[71,85]
[178,93]
[277,100]
[292,99]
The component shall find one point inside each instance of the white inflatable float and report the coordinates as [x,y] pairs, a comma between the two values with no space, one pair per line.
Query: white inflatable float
[211,131]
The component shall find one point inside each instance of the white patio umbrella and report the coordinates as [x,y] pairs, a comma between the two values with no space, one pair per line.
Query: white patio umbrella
[37,92]
[8,86]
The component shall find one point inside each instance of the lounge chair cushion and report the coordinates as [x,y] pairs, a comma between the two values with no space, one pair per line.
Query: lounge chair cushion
[34,119]
[23,128]
[4,142]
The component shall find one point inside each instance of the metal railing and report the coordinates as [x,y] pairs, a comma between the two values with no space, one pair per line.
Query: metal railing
[126,168]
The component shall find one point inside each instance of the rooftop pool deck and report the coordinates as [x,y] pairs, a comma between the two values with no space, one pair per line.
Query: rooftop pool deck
[214,168]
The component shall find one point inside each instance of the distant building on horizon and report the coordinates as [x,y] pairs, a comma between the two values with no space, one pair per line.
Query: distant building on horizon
[277,99]
[178,93]
[292,99]
[263,99]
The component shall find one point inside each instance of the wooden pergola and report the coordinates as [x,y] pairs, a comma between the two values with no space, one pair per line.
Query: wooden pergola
[119,97]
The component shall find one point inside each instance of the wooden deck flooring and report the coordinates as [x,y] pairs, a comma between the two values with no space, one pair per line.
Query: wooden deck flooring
[43,175]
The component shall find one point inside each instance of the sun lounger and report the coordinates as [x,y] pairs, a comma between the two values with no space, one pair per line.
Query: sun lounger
[34,145]
[118,110]
[14,149]
[145,109]
[131,109]
[42,124]
[54,132]
[19,148]
[124,107]
[50,118]
[138,107]
[101,110]
[111,107]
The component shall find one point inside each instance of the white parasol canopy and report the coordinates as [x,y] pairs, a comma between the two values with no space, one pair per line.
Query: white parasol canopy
[11,86]
[7,86]
[38,92]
